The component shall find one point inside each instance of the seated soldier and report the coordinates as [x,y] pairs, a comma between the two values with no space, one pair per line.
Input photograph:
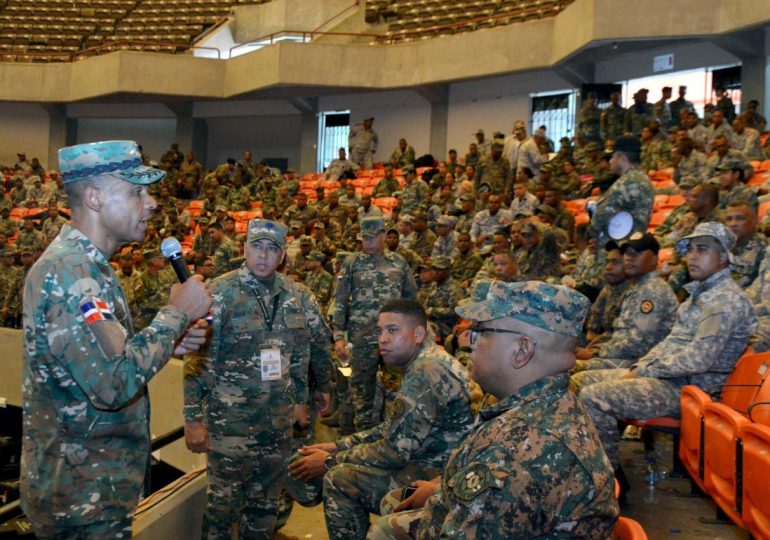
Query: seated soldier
[532,468]
[750,245]
[711,331]
[646,312]
[427,419]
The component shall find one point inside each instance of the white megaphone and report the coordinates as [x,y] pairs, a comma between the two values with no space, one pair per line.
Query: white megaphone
[620,225]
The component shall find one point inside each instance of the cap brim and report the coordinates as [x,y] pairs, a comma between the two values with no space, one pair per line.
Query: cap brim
[477,311]
[142,175]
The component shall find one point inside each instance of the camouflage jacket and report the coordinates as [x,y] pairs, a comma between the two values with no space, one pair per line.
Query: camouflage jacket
[226,389]
[149,295]
[645,319]
[414,196]
[364,284]
[632,193]
[711,330]
[613,120]
[606,307]
[534,467]
[466,266]
[749,255]
[428,418]
[86,434]
[321,284]
[442,299]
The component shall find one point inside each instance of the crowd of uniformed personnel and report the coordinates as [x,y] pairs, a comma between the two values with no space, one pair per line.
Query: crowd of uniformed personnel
[499,214]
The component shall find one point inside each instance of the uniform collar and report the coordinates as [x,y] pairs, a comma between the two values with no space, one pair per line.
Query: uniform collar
[251,281]
[535,393]
[696,288]
[69,233]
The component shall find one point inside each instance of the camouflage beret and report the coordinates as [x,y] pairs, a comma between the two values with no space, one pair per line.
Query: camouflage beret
[555,308]
[259,229]
[372,226]
[714,229]
[310,494]
[441,263]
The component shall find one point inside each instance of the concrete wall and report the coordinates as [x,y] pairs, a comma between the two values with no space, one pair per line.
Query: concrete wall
[24,127]
[155,135]
[252,22]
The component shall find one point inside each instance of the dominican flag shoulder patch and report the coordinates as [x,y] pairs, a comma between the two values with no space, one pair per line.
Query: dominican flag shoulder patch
[95,309]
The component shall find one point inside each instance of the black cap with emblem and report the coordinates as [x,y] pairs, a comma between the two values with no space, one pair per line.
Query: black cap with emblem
[640,242]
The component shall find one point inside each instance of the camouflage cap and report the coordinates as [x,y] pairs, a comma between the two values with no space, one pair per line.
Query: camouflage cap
[689,181]
[546,209]
[372,226]
[555,308]
[319,225]
[221,208]
[731,162]
[421,215]
[265,229]
[342,255]
[310,494]
[119,159]
[151,254]
[407,169]
[295,224]
[441,262]
[467,197]
[306,240]
[592,147]
[714,229]
[316,256]
[406,218]
[447,221]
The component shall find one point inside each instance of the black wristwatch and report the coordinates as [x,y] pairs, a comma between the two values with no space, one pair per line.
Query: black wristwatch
[330,461]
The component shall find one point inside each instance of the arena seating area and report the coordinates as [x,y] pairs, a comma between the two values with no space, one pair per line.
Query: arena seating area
[423,19]
[59,30]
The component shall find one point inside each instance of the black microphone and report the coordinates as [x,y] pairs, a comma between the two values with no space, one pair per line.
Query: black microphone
[172,250]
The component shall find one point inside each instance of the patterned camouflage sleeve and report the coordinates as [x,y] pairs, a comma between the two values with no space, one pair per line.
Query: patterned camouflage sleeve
[341,297]
[715,328]
[596,315]
[320,336]
[372,434]
[411,418]
[408,286]
[108,365]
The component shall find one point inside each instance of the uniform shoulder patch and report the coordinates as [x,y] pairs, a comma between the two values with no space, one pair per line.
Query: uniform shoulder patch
[647,306]
[95,309]
[473,480]
[397,408]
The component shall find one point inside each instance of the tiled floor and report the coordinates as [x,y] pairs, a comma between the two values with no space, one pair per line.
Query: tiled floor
[666,511]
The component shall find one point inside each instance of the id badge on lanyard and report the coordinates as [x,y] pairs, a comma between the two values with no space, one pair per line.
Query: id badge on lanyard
[270,351]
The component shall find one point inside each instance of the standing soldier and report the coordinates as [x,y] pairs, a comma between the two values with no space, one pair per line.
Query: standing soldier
[662,110]
[318,280]
[363,141]
[632,192]
[613,118]
[86,444]
[589,120]
[366,282]
[268,325]
[494,170]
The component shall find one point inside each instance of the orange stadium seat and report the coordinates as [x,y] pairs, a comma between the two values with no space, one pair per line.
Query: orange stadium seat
[19,213]
[385,204]
[660,202]
[755,499]
[763,208]
[763,166]
[628,529]
[722,478]
[674,200]
[738,392]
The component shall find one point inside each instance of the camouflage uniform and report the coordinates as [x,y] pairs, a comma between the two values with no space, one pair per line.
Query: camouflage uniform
[442,298]
[589,123]
[759,295]
[631,193]
[320,282]
[739,193]
[638,117]
[415,195]
[427,420]
[422,243]
[496,173]
[711,331]
[33,240]
[533,466]
[613,120]
[693,166]
[645,319]
[250,419]
[203,245]
[363,145]
[486,224]
[606,307]
[223,254]
[657,154]
[386,187]
[466,266]
[749,255]
[295,213]
[444,246]
[150,294]
[85,377]
[364,285]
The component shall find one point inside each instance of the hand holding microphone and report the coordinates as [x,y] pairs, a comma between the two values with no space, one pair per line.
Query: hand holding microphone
[192,296]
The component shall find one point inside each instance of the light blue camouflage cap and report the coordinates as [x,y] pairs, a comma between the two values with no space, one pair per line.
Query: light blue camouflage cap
[371,226]
[264,228]
[555,308]
[118,159]
[714,229]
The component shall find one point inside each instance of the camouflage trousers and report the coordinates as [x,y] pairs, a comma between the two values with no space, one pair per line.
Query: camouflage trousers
[363,384]
[762,334]
[245,478]
[362,157]
[394,526]
[608,398]
[600,363]
[352,492]
[93,531]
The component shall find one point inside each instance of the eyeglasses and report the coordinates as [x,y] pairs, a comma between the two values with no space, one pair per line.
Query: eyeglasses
[475,331]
